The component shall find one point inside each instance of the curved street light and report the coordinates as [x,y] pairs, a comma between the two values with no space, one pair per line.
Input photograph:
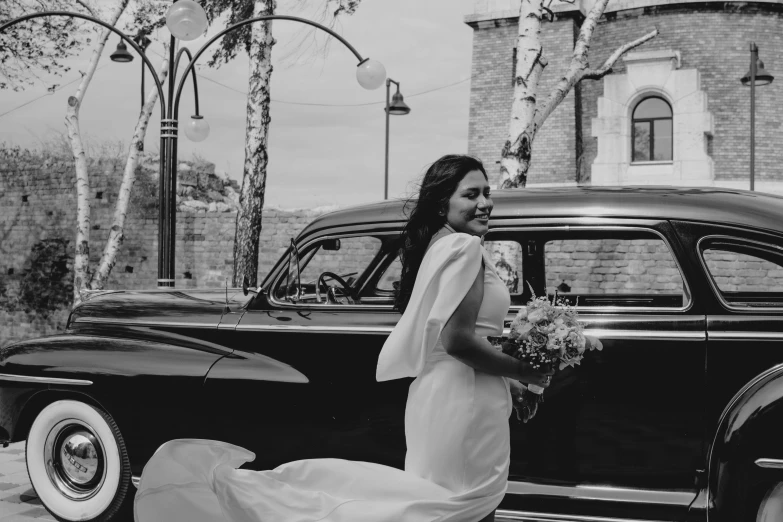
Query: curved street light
[186,20]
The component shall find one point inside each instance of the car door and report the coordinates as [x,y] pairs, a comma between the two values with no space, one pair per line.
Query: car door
[743,276]
[328,404]
[621,435]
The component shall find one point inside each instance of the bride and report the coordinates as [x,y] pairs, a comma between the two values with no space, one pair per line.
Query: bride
[456,416]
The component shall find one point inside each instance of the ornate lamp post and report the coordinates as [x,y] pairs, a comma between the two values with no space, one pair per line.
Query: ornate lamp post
[397,107]
[755,76]
[187,20]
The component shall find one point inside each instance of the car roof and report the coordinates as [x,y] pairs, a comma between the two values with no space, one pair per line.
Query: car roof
[707,204]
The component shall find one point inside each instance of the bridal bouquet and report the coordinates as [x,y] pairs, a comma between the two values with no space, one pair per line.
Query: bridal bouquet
[545,334]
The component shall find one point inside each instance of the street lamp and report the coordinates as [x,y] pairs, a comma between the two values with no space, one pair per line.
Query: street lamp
[122,55]
[755,76]
[186,20]
[397,107]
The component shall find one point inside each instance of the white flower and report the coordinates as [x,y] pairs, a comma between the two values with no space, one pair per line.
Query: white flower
[536,315]
[520,330]
[561,332]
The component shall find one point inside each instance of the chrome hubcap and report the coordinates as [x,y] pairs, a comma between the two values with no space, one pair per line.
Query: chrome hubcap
[75,459]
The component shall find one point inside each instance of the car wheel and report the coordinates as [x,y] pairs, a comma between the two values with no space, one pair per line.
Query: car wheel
[77,462]
[771,507]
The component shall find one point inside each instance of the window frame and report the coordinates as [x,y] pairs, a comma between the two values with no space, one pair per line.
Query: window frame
[560,229]
[651,121]
[706,242]
[306,249]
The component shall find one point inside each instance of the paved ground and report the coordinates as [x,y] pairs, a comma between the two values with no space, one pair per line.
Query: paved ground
[18,501]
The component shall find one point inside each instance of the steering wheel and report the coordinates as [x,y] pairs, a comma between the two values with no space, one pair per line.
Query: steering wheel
[330,296]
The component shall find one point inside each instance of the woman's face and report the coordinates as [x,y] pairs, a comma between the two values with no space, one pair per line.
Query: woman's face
[470,205]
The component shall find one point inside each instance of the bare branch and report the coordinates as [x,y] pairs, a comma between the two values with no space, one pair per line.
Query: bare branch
[579,66]
[88,8]
[597,74]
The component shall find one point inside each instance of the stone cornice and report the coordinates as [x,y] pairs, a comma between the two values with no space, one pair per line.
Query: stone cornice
[500,17]
[510,16]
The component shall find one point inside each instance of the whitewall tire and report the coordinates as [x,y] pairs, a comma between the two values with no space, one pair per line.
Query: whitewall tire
[77,462]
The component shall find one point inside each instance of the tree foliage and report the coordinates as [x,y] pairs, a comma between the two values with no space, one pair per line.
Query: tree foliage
[43,49]
[237,10]
[37,47]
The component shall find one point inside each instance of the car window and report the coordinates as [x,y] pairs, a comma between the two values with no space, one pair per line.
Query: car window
[391,277]
[347,257]
[507,256]
[614,271]
[746,275]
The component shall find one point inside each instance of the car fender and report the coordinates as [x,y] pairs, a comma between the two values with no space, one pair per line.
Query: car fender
[749,429]
[111,371]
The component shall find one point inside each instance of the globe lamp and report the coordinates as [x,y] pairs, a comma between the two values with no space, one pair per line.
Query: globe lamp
[186,20]
[370,74]
[197,129]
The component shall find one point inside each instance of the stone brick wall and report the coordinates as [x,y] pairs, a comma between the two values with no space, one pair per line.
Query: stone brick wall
[38,202]
[556,147]
[712,37]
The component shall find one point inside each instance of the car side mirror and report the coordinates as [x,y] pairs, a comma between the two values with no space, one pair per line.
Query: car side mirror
[246,286]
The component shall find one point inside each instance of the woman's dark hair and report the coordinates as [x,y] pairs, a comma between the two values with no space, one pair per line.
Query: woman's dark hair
[428,215]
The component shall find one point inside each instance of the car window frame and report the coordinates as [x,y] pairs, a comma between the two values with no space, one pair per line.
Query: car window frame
[305,247]
[700,247]
[688,294]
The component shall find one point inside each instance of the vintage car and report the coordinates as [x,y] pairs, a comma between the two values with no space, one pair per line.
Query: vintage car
[680,417]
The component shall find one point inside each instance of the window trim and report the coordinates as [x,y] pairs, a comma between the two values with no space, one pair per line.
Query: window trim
[327,306]
[700,247]
[688,295]
[651,121]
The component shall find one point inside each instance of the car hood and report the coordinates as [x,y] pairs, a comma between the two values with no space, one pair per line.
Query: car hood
[202,307]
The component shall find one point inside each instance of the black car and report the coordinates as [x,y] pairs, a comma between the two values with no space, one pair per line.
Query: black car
[680,417]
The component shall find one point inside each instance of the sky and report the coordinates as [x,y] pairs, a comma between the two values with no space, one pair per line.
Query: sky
[327,133]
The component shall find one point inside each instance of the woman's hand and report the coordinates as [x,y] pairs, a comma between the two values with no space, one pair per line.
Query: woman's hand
[529,375]
[525,410]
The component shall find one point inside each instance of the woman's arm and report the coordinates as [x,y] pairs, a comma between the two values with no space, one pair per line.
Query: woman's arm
[461,342]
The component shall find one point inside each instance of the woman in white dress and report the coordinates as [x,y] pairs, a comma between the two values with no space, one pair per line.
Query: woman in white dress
[456,417]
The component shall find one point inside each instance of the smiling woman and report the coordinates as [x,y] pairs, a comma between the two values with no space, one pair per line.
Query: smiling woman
[471,205]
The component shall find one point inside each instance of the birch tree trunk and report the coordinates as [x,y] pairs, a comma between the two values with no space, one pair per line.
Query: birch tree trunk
[515,156]
[251,197]
[117,232]
[527,116]
[81,263]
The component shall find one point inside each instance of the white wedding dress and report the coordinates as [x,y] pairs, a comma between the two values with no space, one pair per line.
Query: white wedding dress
[456,430]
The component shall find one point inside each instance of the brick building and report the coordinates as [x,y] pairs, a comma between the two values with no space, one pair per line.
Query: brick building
[672,112]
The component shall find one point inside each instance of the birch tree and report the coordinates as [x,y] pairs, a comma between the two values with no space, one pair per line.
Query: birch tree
[144,13]
[527,114]
[257,41]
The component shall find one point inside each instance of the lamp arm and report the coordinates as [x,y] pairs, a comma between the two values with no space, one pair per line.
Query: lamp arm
[111,28]
[243,23]
[185,50]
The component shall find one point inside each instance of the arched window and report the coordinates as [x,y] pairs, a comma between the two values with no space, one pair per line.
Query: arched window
[652,130]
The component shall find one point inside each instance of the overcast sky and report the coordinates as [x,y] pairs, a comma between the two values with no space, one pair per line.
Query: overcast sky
[319,155]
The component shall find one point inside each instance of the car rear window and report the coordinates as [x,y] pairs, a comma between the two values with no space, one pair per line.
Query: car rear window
[746,275]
